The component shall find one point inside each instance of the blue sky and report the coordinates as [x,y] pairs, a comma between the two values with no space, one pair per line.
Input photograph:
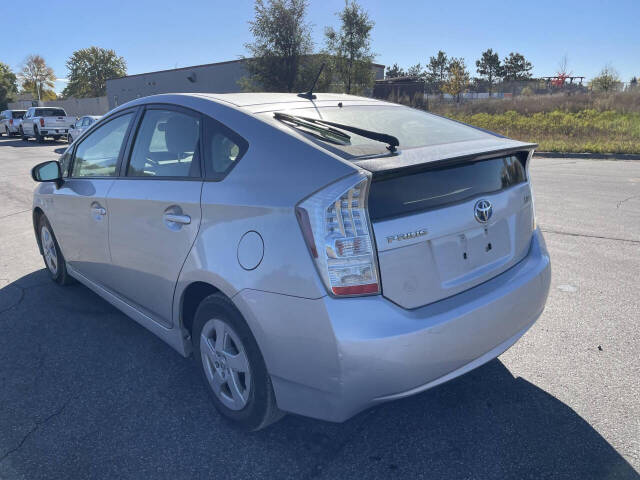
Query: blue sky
[157,35]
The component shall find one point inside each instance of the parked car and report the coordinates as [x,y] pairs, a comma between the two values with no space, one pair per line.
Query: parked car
[81,125]
[315,256]
[41,122]
[10,121]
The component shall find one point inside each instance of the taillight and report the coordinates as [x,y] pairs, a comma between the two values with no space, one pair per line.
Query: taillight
[335,225]
[11,121]
[41,122]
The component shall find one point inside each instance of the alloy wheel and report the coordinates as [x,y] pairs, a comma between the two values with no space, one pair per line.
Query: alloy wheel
[226,364]
[49,249]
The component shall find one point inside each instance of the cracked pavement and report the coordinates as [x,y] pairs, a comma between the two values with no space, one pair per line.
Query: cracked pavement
[87,393]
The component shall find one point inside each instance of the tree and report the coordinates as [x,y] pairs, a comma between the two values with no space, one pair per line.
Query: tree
[633,84]
[563,66]
[351,46]
[607,80]
[8,85]
[437,70]
[281,40]
[36,76]
[416,71]
[89,70]
[516,67]
[394,72]
[46,94]
[457,80]
[489,66]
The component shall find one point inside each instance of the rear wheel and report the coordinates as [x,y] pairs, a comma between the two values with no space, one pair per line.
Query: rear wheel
[232,365]
[24,138]
[39,138]
[53,259]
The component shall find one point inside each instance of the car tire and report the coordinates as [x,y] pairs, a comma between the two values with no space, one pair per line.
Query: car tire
[56,138]
[53,259]
[39,138]
[223,346]
[24,138]
[69,139]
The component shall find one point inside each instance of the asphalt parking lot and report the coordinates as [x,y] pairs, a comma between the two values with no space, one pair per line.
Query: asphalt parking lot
[87,393]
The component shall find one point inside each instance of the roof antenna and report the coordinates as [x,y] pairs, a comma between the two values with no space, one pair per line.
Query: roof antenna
[309,95]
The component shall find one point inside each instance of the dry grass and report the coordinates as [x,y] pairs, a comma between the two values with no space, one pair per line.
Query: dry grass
[623,102]
[584,131]
[559,123]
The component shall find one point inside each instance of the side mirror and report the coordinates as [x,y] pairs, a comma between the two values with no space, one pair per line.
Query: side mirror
[47,172]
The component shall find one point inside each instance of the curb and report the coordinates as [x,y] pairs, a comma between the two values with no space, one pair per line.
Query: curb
[600,156]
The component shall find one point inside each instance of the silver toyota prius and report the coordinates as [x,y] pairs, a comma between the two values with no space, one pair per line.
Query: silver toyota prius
[315,254]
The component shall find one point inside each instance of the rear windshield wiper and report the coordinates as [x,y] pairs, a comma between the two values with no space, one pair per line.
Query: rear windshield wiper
[322,131]
[391,141]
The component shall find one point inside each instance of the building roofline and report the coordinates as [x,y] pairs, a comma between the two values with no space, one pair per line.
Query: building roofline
[240,60]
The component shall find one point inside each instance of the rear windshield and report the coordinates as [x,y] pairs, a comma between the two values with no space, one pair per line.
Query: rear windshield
[50,112]
[435,187]
[17,114]
[412,127]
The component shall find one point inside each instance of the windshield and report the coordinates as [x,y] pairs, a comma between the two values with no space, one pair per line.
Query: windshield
[50,112]
[413,128]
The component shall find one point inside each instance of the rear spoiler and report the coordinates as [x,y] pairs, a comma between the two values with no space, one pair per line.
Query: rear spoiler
[422,158]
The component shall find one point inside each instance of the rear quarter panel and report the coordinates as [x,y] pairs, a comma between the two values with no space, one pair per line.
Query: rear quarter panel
[259,194]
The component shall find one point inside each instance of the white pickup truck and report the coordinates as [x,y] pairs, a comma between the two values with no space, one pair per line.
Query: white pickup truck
[41,122]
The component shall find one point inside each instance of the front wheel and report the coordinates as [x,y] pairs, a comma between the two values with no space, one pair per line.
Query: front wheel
[232,365]
[53,259]
[23,137]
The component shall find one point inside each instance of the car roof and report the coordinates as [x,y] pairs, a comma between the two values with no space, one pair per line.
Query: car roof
[260,102]
[262,98]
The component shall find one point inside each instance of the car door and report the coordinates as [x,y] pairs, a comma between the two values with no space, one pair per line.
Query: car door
[85,124]
[154,209]
[76,128]
[80,217]
[27,123]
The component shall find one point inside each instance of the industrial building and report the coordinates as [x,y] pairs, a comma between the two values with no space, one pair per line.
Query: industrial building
[221,77]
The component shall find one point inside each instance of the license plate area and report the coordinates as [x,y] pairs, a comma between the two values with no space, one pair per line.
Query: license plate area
[464,257]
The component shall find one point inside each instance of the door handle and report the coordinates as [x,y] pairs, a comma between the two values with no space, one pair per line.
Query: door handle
[174,218]
[98,211]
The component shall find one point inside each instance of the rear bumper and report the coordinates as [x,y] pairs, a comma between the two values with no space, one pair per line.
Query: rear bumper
[54,131]
[331,358]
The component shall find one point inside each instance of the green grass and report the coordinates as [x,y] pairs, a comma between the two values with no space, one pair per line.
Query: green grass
[587,130]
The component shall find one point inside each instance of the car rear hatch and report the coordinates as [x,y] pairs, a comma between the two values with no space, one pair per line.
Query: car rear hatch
[447,218]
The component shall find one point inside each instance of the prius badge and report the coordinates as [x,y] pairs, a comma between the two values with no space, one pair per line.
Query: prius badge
[407,236]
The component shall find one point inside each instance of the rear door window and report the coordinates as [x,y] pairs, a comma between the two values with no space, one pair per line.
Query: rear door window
[223,149]
[166,145]
[97,155]
[18,114]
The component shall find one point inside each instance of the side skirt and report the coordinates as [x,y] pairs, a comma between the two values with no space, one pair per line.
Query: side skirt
[172,336]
